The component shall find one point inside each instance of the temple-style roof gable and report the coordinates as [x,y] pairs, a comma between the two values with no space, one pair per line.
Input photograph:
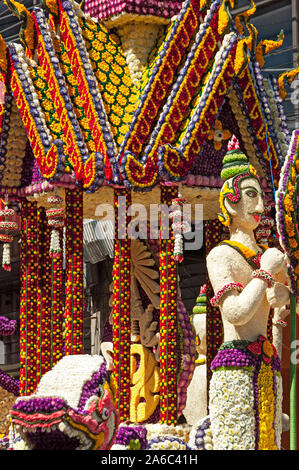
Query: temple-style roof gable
[81,106]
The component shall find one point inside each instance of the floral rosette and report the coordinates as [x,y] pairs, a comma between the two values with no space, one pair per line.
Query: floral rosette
[56,222]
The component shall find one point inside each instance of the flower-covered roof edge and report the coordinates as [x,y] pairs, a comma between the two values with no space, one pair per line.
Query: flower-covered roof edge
[57,77]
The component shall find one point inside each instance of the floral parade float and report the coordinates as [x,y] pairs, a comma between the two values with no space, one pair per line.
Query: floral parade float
[122,104]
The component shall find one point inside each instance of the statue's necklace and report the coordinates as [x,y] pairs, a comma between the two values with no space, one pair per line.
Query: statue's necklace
[253,258]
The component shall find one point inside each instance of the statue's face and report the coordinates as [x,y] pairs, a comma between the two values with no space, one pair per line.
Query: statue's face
[248,211]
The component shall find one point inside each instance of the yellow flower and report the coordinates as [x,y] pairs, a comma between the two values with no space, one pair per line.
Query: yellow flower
[293,244]
[267,348]
[104,66]
[124,90]
[99,46]
[114,78]
[289,225]
[107,57]
[115,120]
[218,134]
[288,203]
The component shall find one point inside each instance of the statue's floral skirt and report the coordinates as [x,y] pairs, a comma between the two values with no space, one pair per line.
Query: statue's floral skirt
[245,396]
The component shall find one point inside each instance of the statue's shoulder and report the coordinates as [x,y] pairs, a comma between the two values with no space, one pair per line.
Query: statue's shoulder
[220,253]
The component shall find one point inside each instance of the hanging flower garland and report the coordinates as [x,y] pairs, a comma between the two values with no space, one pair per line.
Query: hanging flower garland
[56,221]
[8,228]
[179,225]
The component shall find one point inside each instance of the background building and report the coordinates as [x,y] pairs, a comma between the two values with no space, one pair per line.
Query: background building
[270,18]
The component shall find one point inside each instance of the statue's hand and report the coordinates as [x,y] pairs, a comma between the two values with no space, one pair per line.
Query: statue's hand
[278,296]
[281,313]
[273,261]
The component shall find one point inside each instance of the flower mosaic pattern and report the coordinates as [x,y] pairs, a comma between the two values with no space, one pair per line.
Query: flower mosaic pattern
[232,409]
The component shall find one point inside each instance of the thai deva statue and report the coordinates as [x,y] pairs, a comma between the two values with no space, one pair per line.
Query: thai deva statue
[246,386]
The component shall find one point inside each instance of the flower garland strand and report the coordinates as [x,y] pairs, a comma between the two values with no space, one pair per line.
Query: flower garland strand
[121,278]
[8,227]
[214,230]
[74,293]
[168,317]
[28,301]
[56,221]
[179,225]
[57,306]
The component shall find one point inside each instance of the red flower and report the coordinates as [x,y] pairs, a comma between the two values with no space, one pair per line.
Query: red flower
[263,347]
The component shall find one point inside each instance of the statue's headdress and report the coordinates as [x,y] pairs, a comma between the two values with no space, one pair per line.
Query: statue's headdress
[235,169]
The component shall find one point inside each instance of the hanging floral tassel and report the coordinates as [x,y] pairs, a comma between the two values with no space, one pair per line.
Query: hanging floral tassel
[56,221]
[7,229]
[179,226]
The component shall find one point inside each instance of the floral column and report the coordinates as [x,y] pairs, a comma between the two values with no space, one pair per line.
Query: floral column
[168,315]
[74,293]
[121,276]
[49,313]
[29,301]
[214,231]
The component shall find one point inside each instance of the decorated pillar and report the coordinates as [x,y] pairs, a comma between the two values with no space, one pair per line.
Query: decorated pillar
[74,292]
[30,273]
[213,232]
[168,315]
[121,277]
[49,313]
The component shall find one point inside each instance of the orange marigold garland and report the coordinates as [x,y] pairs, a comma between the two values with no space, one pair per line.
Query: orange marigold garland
[121,277]
[74,293]
[28,303]
[168,317]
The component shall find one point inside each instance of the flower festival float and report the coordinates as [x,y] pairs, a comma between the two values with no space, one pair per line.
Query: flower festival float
[145,104]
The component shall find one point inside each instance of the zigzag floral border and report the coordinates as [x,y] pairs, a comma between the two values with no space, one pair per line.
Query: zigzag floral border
[145,116]
[48,152]
[88,82]
[175,163]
